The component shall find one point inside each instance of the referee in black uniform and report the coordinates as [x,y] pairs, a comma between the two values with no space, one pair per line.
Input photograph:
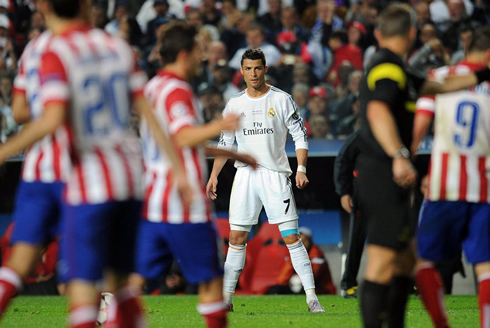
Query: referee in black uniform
[385,173]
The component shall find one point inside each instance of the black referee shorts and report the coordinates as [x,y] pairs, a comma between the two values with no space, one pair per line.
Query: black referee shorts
[387,207]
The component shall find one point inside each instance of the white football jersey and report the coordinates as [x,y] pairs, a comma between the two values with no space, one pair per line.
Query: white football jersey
[264,124]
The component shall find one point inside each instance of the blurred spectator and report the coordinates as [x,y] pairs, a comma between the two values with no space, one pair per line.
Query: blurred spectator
[319,128]
[222,80]
[343,74]
[317,103]
[348,124]
[216,52]
[33,32]
[162,17]
[256,39]
[120,11]
[37,21]
[209,12]
[343,107]
[293,51]
[319,265]
[9,126]
[300,96]
[98,16]
[231,15]
[432,54]
[193,18]
[271,20]
[326,21]
[345,48]
[212,102]
[290,22]
[234,37]
[465,35]
[302,74]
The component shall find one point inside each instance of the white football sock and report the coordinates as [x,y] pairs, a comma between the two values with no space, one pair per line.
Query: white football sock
[302,266]
[235,261]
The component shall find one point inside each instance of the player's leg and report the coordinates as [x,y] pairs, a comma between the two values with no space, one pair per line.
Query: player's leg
[235,260]
[376,286]
[194,246]
[301,262]
[439,237]
[244,211]
[86,237]
[126,310]
[36,217]
[401,286]
[357,240]
[477,250]
[482,271]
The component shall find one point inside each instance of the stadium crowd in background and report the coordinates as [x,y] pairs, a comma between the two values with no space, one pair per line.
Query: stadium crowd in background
[316,50]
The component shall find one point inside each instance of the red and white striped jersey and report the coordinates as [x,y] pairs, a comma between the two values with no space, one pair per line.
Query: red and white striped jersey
[175,107]
[48,160]
[460,159]
[95,76]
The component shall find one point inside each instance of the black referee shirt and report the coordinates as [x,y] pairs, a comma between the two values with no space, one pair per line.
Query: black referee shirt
[387,80]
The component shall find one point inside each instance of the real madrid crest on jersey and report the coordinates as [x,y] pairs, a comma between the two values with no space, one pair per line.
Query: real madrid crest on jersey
[271,113]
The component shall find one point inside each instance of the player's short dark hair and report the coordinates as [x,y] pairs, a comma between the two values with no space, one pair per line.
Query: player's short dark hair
[253,54]
[396,20]
[175,37]
[480,40]
[67,8]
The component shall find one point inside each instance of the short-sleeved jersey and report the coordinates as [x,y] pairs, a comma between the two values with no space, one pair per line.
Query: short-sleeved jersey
[264,124]
[460,158]
[47,160]
[387,80]
[176,108]
[95,76]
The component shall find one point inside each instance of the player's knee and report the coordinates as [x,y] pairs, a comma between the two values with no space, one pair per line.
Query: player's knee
[238,238]
[482,268]
[291,239]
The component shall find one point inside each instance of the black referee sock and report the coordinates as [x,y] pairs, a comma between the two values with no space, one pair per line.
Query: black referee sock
[374,303]
[397,300]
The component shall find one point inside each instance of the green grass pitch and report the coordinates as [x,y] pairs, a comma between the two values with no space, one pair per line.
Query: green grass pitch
[250,311]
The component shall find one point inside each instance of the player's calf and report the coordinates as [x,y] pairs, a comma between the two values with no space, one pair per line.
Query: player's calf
[211,305]
[431,291]
[482,271]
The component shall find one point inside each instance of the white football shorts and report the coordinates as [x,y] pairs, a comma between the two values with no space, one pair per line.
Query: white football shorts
[253,189]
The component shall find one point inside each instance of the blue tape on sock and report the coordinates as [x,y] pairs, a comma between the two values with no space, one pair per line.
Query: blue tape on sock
[288,232]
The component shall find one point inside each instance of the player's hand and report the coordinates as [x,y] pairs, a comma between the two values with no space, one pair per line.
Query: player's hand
[301,180]
[424,184]
[346,202]
[247,159]
[185,190]
[404,173]
[212,187]
[230,122]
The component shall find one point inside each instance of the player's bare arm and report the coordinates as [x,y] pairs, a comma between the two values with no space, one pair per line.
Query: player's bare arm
[193,136]
[384,130]
[20,109]
[52,118]
[301,178]
[244,158]
[222,156]
[421,125]
[455,83]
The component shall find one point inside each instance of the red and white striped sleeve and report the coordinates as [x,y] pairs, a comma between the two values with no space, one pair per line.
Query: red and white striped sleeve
[180,110]
[54,80]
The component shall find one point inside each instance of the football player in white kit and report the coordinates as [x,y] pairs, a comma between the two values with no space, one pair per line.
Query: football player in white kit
[267,114]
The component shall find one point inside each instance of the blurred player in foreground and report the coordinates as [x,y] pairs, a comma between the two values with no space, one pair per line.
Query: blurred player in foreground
[38,201]
[267,115]
[171,229]
[387,97]
[457,212]
[89,80]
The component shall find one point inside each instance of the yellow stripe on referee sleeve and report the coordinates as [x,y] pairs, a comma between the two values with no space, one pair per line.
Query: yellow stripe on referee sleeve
[410,106]
[387,71]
